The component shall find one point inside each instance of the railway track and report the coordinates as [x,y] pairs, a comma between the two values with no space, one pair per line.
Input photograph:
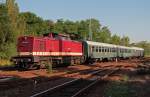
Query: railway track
[76,87]
[7,83]
[22,85]
[10,84]
[5,78]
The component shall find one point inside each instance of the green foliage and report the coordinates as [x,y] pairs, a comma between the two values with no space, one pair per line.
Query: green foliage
[8,29]
[125,41]
[145,45]
[48,66]
[104,35]
[34,24]
[115,39]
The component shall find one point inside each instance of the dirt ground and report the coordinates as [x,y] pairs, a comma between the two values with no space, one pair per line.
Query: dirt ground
[127,83]
[127,73]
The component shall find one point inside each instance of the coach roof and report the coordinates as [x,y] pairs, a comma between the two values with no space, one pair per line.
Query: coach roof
[100,44]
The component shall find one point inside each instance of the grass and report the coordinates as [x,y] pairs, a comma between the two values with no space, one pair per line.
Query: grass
[125,78]
[119,89]
[146,55]
[4,62]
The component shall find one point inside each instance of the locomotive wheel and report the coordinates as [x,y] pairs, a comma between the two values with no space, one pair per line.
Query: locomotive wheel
[24,66]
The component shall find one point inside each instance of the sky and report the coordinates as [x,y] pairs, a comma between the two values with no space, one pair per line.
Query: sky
[123,17]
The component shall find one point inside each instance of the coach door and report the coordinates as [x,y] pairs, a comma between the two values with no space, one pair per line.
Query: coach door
[91,50]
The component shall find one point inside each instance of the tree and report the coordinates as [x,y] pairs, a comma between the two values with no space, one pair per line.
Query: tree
[145,45]
[13,12]
[34,24]
[104,35]
[115,39]
[58,27]
[50,25]
[83,29]
[69,27]
[95,27]
[125,41]
[8,27]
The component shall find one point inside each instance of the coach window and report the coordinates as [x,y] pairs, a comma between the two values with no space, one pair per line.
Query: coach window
[119,50]
[93,48]
[102,49]
[108,49]
[105,49]
[99,49]
[96,48]
[111,49]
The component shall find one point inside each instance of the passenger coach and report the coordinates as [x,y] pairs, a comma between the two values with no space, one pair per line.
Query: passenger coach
[94,51]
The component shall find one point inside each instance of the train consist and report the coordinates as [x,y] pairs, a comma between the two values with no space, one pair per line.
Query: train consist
[57,49]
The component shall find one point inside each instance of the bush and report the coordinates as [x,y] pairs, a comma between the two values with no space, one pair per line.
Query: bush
[4,62]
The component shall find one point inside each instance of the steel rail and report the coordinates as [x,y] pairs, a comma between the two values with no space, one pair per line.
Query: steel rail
[64,84]
[73,81]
